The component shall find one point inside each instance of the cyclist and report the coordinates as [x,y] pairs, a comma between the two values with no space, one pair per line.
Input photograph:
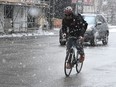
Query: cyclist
[74,25]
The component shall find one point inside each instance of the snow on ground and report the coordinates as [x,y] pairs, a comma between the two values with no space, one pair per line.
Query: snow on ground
[44,32]
[37,33]
[112,28]
[56,28]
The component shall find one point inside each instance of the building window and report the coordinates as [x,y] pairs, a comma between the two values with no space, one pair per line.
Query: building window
[8,11]
[31,21]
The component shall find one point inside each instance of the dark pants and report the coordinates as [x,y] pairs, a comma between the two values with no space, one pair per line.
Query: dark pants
[75,42]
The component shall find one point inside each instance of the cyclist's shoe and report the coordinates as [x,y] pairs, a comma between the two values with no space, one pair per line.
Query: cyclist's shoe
[68,66]
[82,58]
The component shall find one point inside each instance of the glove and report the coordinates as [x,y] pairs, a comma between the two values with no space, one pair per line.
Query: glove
[81,39]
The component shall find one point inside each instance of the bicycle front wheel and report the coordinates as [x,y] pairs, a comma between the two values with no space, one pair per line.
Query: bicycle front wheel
[67,71]
[79,66]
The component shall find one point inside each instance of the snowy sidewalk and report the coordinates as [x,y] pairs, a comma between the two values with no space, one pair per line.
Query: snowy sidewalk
[54,31]
[37,33]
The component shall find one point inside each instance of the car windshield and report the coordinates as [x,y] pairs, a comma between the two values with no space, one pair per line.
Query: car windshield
[89,19]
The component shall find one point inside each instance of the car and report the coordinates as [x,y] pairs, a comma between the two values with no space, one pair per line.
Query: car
[97,29]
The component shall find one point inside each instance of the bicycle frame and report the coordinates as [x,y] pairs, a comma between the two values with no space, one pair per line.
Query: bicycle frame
[74,46]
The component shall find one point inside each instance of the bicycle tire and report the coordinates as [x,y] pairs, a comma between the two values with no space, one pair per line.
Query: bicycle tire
[79,66]
[67,71]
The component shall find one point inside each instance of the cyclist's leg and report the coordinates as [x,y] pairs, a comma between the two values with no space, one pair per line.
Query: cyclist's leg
[80,49]
[68,50]
[69,45]
[74,44]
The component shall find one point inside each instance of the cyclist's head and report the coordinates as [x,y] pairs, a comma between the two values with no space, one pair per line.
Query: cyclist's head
[68,11]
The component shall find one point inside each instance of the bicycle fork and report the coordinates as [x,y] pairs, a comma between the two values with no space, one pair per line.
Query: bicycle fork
[72,56]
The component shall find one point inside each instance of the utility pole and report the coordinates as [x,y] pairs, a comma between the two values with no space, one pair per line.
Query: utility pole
[82,6]
[53,12]
[76,7]
[50,13]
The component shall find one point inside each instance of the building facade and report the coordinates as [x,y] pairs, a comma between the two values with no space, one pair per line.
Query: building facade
[21,15]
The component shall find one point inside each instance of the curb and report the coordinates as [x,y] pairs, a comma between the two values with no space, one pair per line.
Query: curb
[22,35]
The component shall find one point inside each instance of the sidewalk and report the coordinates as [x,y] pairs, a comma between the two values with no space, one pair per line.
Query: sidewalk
[54,31]
[33,34]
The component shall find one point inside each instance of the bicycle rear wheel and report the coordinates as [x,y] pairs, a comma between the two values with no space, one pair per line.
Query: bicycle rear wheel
[79,65]
[67,71]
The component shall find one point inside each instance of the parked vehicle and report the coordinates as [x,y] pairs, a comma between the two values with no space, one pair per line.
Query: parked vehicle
[97,29]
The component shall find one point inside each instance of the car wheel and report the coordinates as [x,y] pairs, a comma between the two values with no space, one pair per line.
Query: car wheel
[105,40]
[93,41]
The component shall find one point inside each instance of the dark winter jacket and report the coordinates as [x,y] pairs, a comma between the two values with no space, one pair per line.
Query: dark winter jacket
[75,26]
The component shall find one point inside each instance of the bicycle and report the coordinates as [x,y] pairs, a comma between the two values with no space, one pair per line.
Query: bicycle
[73,56]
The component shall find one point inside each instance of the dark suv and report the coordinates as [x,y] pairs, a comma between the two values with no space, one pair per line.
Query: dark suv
[97,29]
